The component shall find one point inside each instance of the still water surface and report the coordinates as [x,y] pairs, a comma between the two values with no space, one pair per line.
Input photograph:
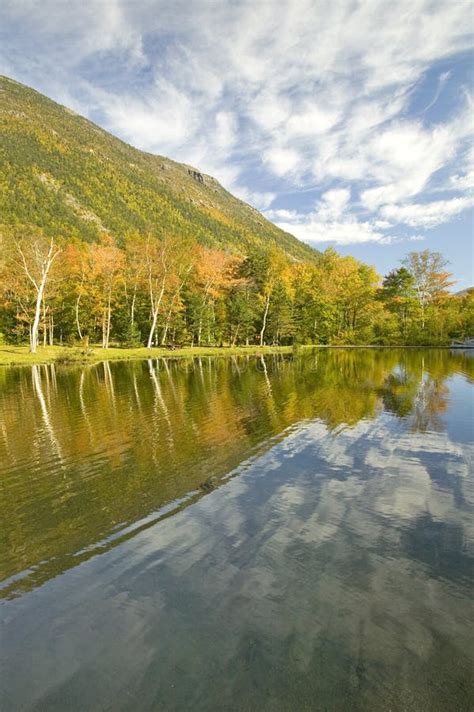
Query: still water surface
[239,534]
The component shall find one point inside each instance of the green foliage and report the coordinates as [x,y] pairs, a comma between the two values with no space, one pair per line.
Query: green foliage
[133,337]
[72,356]
[399,283]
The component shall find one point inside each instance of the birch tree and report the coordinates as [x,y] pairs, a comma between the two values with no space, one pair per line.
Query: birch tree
[35,255]
[169,262]
[135,271]
[430,278]
[106,272]
[157,269]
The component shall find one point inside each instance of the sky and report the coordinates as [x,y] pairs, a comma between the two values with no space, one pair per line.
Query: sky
[347,123]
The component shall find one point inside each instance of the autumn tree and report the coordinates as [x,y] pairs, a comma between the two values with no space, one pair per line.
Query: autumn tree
[177,291]
[430,278]
[106,262]
[213,276]
[158,258]
[76,264]
[31,256]
[169,261]
[185,258]
[270,273]
[134,271]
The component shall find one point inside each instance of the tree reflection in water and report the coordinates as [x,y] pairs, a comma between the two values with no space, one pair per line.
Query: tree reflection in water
[105,446]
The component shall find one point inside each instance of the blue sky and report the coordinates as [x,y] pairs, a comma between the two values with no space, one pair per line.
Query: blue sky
[347,123]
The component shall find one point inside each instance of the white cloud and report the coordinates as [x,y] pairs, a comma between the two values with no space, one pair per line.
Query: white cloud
[162,122]
[403,158]
[462,182]
[329,222]
[281,214]
[261,201]
[269,110]
[350,231]
[313,120]
[314,92]
[281,160]
[226,129]
[427,214]
[334,203]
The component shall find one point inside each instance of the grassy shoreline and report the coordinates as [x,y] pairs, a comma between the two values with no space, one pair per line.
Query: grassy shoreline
[20,355]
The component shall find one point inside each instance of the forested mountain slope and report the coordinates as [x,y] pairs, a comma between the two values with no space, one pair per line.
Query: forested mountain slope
[61,172]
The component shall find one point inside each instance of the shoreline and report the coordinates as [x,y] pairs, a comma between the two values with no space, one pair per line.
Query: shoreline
[68,355]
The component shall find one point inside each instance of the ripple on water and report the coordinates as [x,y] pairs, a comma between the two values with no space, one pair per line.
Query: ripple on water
[332,568]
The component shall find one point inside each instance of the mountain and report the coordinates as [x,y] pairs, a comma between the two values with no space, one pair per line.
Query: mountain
[63,173]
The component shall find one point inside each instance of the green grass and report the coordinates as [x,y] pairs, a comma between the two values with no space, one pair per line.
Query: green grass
[19,355]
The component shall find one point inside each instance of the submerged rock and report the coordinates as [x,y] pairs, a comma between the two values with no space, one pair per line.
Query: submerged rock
[209,484]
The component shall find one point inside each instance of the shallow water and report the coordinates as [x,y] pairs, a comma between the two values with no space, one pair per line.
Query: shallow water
[239,534]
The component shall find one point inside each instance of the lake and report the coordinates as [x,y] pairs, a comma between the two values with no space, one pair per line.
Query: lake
[239,534]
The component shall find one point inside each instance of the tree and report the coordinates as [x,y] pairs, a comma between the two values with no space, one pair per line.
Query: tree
[157,255]
[399,296]
[135,273]
[182,292]
[76,271]
[106,272]
[241,313]
[430,279]
[398,283]
[169,262]
[267,270]
[33,257]
[214,275]
[185,258]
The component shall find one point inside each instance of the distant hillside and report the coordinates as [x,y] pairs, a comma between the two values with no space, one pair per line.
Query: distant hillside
[65,174]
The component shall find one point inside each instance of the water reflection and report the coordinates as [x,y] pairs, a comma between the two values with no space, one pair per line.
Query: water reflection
[104,446]
[333,571]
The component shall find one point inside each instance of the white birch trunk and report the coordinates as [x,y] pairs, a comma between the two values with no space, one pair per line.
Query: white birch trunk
[156,310]
[264,323]
[39,285]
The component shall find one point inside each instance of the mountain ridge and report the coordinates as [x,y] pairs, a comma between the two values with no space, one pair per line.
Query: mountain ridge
[65,174]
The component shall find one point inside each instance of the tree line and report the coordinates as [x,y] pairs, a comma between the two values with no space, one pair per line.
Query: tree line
[166,290]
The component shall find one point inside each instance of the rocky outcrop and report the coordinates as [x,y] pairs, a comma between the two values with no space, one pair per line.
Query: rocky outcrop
[196,175]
